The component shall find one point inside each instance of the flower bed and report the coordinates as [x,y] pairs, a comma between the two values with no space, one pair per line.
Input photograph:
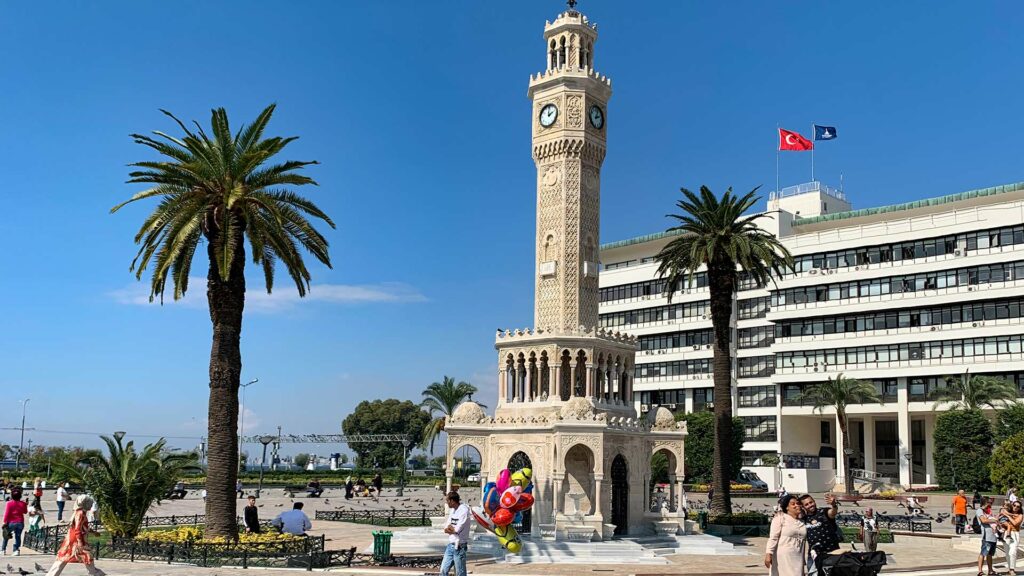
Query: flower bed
[732,488]
[194,534]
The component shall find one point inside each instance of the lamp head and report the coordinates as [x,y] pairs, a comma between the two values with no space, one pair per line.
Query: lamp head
[267,439]
[119,435]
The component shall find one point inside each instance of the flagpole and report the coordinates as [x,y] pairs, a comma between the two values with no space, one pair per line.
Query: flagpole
[812,152]
[778,146]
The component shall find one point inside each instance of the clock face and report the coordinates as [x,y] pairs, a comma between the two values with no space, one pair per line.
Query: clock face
[548,114]
[596,117]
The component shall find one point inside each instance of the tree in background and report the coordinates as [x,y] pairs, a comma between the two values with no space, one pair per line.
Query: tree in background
[1009,421]
[963,448]
[301,460]
[659,468]
[418,461]
[837,393]
[126,482]
[440,400]
[717,234]
[976,392]
[344,458]
[700,447]
[389,416]
[437,463]
[217,192]
[1008,463]
[42,459]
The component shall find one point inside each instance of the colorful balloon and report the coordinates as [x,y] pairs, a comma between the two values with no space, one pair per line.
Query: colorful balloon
[508,538]
[528,489]
[503,517]
[521,478]
[503,480]
[525,503]
[511,496]
[491,500]
[482,519]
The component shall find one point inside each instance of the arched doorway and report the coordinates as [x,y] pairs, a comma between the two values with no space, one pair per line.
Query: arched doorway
[517,462]
[620,496]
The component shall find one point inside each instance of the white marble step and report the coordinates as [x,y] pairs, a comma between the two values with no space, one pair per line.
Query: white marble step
[612,552]
[690,544]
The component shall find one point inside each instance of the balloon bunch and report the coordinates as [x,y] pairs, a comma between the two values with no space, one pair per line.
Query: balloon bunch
[503,504]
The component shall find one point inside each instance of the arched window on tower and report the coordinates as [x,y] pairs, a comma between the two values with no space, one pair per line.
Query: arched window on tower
[590,54]
[561,53]
[553,55]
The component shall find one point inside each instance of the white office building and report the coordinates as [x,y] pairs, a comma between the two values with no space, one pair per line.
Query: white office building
[901,295]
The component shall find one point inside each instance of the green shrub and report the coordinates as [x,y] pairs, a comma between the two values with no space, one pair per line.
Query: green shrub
[700,446]
[968,436]
[741,519]
[1008,463]
[1010,421]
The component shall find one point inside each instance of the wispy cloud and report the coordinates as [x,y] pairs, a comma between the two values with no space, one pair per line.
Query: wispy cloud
[283,298]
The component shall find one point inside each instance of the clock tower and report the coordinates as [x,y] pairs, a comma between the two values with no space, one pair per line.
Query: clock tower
[569,124]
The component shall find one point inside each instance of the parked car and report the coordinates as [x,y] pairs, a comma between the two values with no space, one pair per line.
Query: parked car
[749,477]
[474,477]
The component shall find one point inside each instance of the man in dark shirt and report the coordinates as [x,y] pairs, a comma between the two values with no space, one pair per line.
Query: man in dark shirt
[822,532]
[252,517]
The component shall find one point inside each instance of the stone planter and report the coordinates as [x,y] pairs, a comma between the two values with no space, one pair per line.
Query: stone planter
[666,527]
[579,533]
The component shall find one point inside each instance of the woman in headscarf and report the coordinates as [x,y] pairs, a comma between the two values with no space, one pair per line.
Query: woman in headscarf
[75,547]
[786,553]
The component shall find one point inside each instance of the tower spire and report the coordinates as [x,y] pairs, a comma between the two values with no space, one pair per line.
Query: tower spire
[571,4]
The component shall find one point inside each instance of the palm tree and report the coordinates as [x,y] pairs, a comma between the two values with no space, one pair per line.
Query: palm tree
[440,400]
[715,233]
[221,191]
[127,482]
[975,392]
[837,393]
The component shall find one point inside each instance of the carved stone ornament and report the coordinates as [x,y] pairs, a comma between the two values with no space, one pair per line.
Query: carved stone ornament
[578,408]
[661,419]
[551,177]
[468,413]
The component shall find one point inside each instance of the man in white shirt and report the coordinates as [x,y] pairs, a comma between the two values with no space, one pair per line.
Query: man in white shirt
[457,530]
[293,521]
[62,498]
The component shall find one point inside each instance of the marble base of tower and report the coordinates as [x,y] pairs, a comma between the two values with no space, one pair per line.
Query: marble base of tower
[563,411]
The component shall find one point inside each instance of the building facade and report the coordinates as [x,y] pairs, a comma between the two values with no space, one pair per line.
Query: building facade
[904,296]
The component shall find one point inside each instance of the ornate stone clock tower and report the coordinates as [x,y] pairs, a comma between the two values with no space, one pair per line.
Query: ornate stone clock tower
[569,123]
[565,386]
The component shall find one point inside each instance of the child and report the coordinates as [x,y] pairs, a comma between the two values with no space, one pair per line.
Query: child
[36,517]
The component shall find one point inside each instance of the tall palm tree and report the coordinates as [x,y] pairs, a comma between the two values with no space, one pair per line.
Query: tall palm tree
[716,234]
[837,393]
[126,482]
[440,400]
[221,190]
[976,392]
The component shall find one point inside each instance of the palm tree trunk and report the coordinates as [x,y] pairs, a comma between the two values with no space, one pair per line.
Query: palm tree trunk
[844,425]
[722,280]
[226,299]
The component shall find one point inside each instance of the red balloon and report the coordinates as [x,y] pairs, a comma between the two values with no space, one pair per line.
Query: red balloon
[503,517]
[525,503]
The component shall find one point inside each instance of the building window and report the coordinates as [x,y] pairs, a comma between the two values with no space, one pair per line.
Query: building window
[656,315]
[826,432]
[757,396]
[677,369]
[953,351]
[693,339]
[756,367]
[637,290]
[759,429]
[753,308]
[759,337]
[703,399]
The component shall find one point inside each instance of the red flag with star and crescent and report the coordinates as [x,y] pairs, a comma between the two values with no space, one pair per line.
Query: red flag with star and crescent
[793,141]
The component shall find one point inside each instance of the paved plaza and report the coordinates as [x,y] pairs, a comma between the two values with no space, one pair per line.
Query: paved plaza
[909,555]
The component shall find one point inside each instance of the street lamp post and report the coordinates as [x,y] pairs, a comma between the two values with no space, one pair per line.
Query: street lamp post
[241,419]
[21,444]
[405,451]
[910,468]
[266,439]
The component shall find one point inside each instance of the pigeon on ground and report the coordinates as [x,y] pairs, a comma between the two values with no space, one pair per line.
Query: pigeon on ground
[10,568]
[39,568]
[23,572]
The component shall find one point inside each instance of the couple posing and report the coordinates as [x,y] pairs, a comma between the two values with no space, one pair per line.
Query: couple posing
[800,525]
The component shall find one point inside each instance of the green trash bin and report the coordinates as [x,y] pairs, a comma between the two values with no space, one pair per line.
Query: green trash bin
[382,545]
[702,520]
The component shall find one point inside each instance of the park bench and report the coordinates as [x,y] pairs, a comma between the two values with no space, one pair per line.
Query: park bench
[849,498]
[291,491]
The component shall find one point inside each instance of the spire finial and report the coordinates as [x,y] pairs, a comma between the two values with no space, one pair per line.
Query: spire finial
[571,3]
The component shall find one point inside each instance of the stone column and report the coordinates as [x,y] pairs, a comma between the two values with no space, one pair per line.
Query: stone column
[502,385]
[903,431]
[671,491]
[447,482]
[869,444]
[590,381]
[556,382]
[613,386]
[528,387]
[572,378]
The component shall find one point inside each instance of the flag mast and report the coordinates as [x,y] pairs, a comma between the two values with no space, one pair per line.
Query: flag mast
[812,152]
[778,147]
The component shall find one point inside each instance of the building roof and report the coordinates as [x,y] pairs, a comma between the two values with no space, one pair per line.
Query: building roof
[927,202]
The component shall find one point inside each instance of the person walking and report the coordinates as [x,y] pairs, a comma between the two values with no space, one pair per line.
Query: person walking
[787,540]
[62,499]
[238,488]
[251,517]
[349,487]
[988,536]
[1015,516]
[14,521]
[36,518]
[378,484]
[75,548]
[869,530]
[959,510]
[457,529]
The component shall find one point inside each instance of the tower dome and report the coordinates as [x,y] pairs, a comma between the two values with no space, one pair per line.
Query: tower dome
[468,413]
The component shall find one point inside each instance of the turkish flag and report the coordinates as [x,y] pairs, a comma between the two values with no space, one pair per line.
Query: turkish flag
[793,141]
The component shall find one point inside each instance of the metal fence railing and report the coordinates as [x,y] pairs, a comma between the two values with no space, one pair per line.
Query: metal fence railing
[390,518]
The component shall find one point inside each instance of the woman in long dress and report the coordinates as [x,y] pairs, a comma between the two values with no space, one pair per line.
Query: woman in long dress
[787,541]
[75,548]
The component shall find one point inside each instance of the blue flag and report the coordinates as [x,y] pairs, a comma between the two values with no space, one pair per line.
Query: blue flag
[824,132]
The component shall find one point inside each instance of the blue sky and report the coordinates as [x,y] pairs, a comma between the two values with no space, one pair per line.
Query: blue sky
[418,114]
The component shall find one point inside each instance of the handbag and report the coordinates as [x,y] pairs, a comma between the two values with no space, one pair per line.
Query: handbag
[7,532]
